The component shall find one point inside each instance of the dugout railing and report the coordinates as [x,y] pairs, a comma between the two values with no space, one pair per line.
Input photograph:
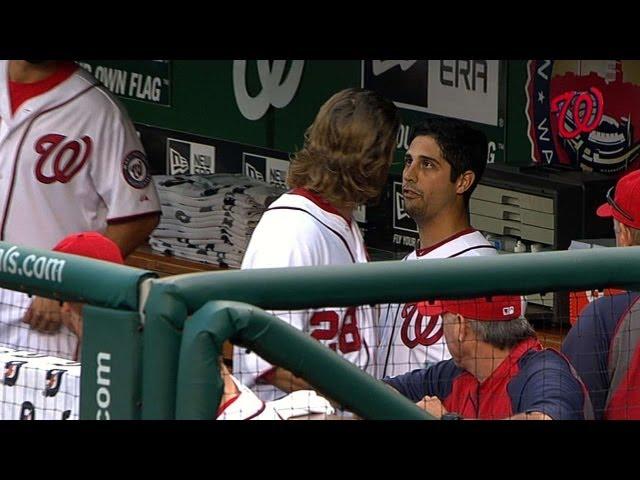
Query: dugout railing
[176,368]
[112,339]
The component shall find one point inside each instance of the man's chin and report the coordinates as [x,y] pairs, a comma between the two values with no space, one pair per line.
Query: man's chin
[415,213]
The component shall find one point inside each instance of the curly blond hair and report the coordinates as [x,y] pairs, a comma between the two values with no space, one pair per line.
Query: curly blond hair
[348,148]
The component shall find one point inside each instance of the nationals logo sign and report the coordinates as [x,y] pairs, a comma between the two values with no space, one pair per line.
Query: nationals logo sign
[583,113]
[60,158]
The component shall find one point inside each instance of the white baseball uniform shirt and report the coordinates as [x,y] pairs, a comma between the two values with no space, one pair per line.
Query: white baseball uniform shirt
[407,339]
[71,162]
[300,229]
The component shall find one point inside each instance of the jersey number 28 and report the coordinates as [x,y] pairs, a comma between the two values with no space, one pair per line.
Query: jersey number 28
[348,336]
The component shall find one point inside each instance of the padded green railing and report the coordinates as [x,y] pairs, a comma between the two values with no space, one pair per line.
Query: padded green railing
[172,299]
[70,277]
[112,340]
[200,385]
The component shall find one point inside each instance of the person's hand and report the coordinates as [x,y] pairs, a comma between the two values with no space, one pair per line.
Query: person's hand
[432,405]
[43,315]
[73,321]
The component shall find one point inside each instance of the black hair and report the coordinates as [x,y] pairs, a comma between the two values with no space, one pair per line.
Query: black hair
[463,147]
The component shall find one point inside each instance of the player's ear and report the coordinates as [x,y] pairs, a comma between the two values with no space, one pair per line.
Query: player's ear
[464,182]
[625,235]
[466,331]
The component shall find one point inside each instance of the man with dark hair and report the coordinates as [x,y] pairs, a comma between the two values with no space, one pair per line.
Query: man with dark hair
[499,370]
[604,343]
[444,163]
[344,163]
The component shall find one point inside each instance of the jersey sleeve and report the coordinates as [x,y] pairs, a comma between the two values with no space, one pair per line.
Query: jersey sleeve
[549,387]
[586,346]
[435,380]
[120,171]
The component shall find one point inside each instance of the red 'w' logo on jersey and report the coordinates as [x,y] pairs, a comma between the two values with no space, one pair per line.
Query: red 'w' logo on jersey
[424,337]
[67,157]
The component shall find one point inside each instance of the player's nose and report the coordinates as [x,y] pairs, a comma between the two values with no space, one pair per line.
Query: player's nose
[409,173]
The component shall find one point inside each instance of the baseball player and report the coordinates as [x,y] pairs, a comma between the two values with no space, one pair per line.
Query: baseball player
[66,342]
[72,161]
[343,164]
[92,245]
[499,370]
[444,163]
[27,372]
[603,345]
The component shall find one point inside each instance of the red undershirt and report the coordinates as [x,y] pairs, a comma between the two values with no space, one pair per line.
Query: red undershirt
[21,92]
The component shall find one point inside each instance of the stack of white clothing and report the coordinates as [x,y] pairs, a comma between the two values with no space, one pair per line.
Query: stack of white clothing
[38,387]
[209,218]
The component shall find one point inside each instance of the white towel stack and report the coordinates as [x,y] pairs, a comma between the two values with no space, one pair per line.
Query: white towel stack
[209,218]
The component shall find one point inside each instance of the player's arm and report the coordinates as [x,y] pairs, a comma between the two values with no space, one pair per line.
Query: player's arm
[284,380]
[130,234]
[122,179]
[433,381]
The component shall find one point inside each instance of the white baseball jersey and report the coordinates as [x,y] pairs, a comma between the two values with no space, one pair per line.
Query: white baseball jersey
[299,229]
[38,387]
[247,406]
[407,339]
[71,162]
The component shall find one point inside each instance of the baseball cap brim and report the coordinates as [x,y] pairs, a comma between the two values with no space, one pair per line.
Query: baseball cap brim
[604,210]
[431,309]
[498,308]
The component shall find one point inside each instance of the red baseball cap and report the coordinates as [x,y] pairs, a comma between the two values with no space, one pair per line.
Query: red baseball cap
[625,207]
[92,245]
[494,309]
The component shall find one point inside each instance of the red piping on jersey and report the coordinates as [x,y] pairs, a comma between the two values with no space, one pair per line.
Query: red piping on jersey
[118,220]
[224,406]
[15,162]
[319,201]
[424,251]
[21,92]
[264,405]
